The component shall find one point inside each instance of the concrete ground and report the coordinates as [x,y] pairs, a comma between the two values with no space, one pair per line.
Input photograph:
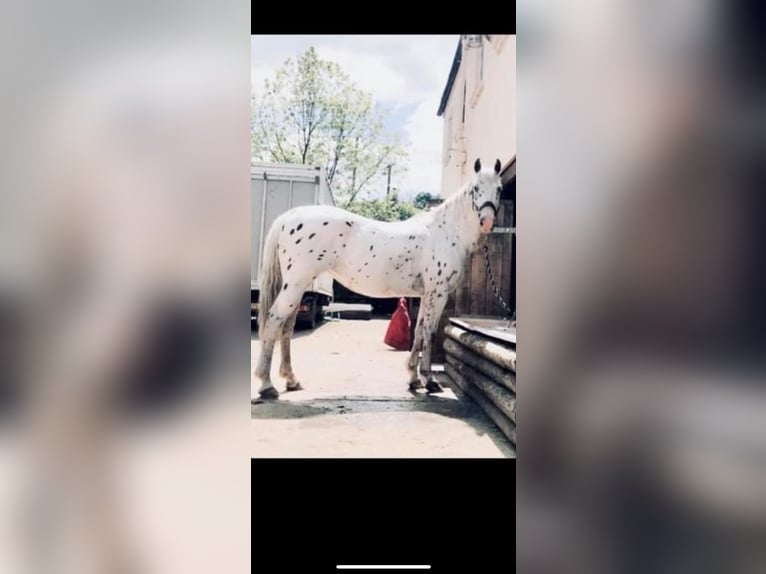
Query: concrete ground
[356,403]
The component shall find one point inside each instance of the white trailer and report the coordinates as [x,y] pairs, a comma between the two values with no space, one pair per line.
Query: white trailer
[274,189]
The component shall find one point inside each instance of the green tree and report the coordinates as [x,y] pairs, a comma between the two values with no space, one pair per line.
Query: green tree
[422,199]
[383,210]
[311,112]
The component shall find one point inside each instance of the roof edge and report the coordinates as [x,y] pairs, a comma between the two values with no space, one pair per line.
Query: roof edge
[452,75]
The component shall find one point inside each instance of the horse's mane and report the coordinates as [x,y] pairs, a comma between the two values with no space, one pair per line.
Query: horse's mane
[448,205]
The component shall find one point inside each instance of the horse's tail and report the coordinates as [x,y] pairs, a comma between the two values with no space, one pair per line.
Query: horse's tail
[271,277]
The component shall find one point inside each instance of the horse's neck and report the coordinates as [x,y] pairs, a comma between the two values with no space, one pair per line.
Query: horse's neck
[458,216]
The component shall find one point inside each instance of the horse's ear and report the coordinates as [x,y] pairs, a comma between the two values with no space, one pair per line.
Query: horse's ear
[497,166]
[477,166]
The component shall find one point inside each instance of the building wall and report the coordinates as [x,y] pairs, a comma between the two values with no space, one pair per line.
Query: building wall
[489,130]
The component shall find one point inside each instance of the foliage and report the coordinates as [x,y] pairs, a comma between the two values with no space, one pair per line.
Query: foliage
[311,112]
[383,210]
[422,199]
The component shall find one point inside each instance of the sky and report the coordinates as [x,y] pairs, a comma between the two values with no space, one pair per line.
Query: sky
[406,74]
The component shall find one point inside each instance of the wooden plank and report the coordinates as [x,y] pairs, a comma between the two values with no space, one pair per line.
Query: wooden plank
[462,302]
[507,260]
[501,397]
[506,426]
[478,300]
[504,377]
[496,261]
[498,354]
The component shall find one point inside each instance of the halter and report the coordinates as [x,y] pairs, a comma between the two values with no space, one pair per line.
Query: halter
[483,205]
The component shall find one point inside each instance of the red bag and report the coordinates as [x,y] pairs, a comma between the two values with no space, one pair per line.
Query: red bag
[398,333]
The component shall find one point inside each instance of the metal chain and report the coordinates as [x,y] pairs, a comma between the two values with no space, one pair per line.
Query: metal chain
[492,280]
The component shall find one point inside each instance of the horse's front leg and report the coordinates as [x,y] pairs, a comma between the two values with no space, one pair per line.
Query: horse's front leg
[413,359]
[286,367]
[435,308]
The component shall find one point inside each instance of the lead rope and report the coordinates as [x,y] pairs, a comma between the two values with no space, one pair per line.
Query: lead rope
[492,283]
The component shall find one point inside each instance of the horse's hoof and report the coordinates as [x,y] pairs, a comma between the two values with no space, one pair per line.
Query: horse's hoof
[415,385]
[296,387]
[269,394]
[434,387]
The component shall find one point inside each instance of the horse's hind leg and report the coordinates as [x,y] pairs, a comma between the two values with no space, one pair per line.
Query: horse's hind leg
[286,367]
[287,301]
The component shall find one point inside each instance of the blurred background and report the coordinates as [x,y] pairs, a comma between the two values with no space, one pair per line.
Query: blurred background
[124,253]
[641,399]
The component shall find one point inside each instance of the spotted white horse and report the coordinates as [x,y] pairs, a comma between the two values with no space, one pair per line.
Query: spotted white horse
[423,256]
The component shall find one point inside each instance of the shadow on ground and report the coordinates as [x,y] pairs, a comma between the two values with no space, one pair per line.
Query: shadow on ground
[461,408]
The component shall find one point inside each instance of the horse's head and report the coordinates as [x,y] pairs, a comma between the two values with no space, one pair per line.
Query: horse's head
[485,194]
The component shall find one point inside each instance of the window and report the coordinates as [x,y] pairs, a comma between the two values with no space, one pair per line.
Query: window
[465,89]
[481,68]
[474,64]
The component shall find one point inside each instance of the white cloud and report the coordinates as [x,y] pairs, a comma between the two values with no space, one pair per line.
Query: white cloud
[424,133]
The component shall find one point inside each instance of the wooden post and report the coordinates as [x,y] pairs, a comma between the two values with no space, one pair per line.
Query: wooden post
[506,426]
[498,354]
[499,375]
[502,398]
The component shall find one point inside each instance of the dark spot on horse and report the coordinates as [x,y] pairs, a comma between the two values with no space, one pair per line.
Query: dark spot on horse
[344,245]
[285,286]
[283,228]
[370,247]
[300,226]
[374,255]
[291,305]
[284,251]
[349,223]
[292,231]
[297,242]
[325,223]
[359,270]
[289,265]
[312,235]
[453,244]
[311,251]
[340,235]
[438,263]
[438,294]
[365,264]
[440,272]
[324,250]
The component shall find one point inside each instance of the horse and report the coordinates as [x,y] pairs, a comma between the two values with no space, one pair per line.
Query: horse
[423,256]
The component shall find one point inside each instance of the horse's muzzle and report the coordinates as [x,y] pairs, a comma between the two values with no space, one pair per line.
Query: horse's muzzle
[487,214]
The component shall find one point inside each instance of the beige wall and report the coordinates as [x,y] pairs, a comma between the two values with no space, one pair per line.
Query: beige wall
[489,131]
